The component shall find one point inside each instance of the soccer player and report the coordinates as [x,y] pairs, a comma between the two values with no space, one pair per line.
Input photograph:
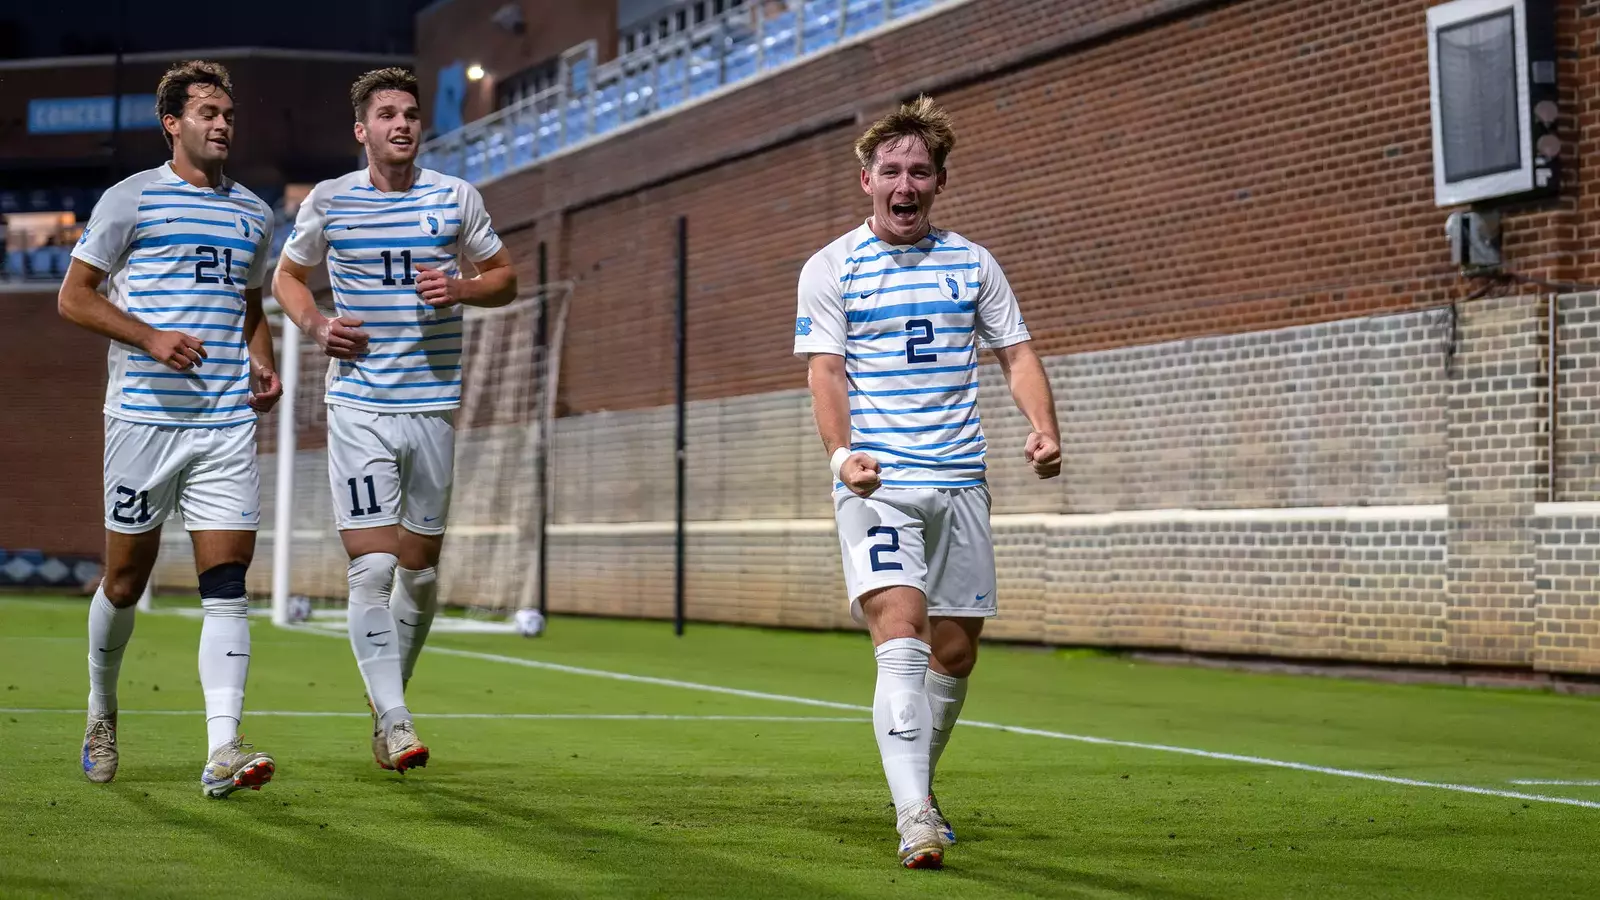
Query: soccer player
[394,237]
[181,252]
[890,319]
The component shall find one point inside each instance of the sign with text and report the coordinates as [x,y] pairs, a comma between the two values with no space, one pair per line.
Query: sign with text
[75,115]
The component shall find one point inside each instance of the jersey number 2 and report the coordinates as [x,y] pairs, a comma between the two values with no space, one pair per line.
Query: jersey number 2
[919,340]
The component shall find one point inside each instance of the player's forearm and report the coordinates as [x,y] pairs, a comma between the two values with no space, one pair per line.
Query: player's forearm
[496,287]
[86,308]
[295,298]
[1030,388]
[258,334]
[830,402]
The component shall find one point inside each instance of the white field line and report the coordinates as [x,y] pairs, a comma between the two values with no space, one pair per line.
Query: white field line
[1555,781]
[1036,732]
[576,717]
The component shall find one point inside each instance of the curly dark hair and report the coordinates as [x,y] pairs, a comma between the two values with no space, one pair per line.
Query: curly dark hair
[173,91]
[390,79]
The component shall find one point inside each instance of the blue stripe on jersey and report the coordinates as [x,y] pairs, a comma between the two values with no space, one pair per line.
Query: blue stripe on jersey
[956,267]
[371,243]
[414,187]
[186,220]
[451,352]
[895,483]
[403,307]
[906,454]
[888,353]
[196,376]
[378,260]
[905,392]
[424,323]
[395,371]
[152,207]
[201,326]
[408,198]
[169,240]
[901,310]
[173,309]
[395,401]
[920,370]
[867,410]
[196,394]
[407,289]
[213,410]
[412,385]
[959,329]
[424,207]
[964,466]
[210,360]
[918,429]
[236,293]
[923,250]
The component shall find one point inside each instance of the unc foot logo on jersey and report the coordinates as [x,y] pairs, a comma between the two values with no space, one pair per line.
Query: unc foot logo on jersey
[429,223]
[953,286]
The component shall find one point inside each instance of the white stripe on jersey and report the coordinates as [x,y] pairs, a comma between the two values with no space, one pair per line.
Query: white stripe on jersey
[179,258]
[374,242]
[907,321]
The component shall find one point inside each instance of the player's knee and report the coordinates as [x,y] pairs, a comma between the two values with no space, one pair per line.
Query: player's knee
[372,578]
[957,662]
[124,586]
[224,582]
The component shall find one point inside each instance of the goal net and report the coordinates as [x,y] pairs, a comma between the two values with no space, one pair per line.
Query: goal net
[491,549]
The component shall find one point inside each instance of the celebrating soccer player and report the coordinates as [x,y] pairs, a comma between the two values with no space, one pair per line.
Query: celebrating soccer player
[890,319]
[393,236]
[182,252]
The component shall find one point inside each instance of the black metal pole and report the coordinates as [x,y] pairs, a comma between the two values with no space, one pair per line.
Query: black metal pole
[683,396]
[542,452]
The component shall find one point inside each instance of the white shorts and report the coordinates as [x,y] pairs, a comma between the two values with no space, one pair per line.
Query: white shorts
[207,474]
[933,539]
[389,468]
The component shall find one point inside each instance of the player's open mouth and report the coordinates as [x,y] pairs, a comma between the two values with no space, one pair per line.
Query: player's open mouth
[218,142]
[903,210]
[400,141]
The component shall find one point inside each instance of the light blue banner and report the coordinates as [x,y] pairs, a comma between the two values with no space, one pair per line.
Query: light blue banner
[74,115]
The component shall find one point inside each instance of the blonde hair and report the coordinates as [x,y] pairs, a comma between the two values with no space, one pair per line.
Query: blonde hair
[922,120]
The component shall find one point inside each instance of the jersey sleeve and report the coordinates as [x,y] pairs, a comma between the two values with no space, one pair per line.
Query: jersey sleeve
[477,238]
[259,263]
[106,239]
[819,324]
[1000,322]
[308,240]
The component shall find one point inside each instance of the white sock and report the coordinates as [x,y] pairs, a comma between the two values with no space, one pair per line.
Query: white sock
[946,694]
[224,665]
[416,599]
[901,718]
[372,630]
[109,631]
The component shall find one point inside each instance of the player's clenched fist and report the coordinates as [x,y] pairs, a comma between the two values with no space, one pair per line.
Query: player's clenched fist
[433,286]
[265,389]
[175,349]
[340,338]
[1044,454]
[860,473]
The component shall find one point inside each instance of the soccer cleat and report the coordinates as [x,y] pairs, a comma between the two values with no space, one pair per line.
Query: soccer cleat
[380,743]
[233,766]
[921,844]
[946,833]
[406,750]
[100,749]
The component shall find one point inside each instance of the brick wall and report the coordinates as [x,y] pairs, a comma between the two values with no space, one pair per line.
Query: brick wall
[53,377]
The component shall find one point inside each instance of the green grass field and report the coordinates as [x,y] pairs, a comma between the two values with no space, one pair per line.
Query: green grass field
[723,795]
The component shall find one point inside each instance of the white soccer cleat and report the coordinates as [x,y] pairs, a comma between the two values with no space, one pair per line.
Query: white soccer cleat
[233,766]
[946,833]
[380,742]
[921,843]
[406,750]
[100,749]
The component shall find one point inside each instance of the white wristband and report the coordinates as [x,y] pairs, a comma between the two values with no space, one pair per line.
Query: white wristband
[839,456]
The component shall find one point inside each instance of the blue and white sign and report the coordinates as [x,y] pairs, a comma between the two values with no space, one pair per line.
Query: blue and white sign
[75,115]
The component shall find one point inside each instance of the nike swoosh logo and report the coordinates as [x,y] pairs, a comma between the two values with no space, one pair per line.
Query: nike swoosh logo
[231,653]
[866,294]
[351,227]
[907,734]
[404,622]
[114,649]
[429,518]
[171,219]
[376,633]
[250,513]
[980,597]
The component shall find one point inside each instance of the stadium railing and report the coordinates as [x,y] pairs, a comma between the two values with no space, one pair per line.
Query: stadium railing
[590,100]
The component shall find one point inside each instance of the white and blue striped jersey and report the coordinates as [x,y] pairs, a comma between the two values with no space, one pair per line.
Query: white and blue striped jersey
[908,321]
[374,241]
[179,258]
